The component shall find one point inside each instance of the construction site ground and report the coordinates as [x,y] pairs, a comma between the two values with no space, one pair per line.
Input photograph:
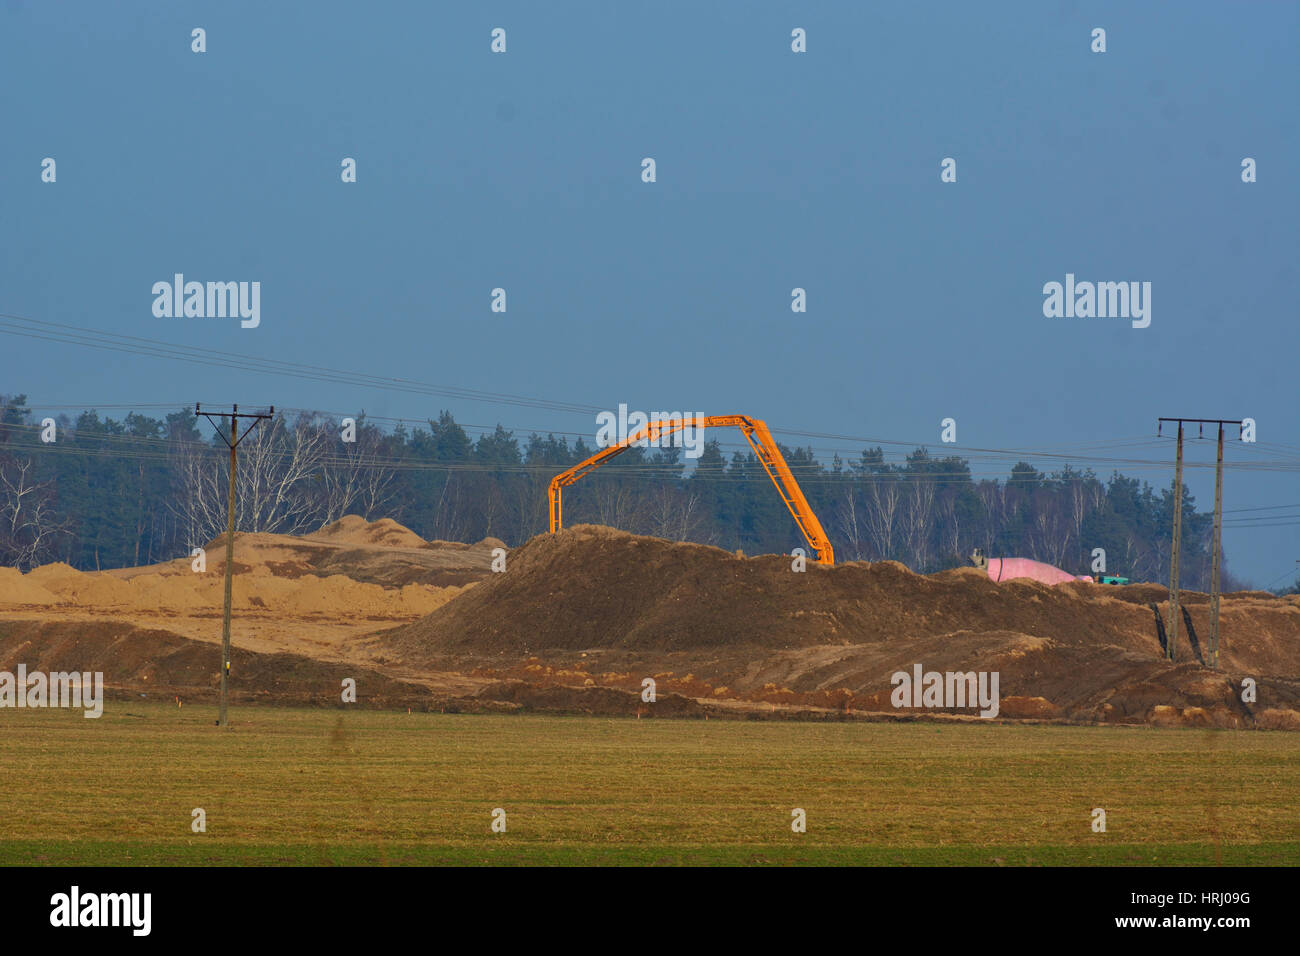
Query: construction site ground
[580,618]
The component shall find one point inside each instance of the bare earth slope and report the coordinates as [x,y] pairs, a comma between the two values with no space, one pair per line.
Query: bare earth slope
[312,594]
[579,619]
[591,603]
[151,663]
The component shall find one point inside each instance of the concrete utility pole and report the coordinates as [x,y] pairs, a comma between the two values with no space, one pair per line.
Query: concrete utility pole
[233,442]
[1212,649]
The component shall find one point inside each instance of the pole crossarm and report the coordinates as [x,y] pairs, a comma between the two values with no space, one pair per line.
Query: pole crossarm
[1206,421]
[234,416]
[1239,422]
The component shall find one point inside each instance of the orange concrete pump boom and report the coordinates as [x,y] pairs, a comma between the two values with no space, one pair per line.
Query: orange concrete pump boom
[760,439]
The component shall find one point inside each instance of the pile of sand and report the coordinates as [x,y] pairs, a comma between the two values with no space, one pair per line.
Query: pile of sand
[57,573]
[351,570]
[379,552]
[17,589]
[355,531]
[257,589]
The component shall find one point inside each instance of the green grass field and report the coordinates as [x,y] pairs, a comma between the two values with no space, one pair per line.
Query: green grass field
[368,787]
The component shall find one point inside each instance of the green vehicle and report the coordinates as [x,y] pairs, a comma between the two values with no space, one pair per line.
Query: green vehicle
[1111,579]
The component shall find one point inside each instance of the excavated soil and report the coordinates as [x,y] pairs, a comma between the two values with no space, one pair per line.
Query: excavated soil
[315,596]
[312,594]
[591,605]
[579,620]
[150,663]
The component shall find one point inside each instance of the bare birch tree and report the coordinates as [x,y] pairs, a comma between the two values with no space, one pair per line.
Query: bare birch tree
[883,515]
[29,526]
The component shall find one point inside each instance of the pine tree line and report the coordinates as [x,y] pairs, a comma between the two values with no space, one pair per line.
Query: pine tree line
[116,493]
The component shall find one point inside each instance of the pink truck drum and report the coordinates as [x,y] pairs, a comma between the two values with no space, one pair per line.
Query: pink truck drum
[1004,569]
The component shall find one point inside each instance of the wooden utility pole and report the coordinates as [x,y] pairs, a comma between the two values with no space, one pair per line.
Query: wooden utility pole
[1213,660]
[1175,609]
[1212,650]
[233,442]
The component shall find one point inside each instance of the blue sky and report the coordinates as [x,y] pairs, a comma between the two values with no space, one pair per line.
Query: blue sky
[775,170]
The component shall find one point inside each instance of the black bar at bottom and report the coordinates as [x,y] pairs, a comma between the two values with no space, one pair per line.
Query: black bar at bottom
[642,906]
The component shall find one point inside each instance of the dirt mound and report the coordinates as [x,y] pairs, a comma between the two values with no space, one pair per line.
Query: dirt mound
[302,595]
[594,587]
[19,589]
[751,628]
[355,530]
[591,587]
[377,552]
[56,573]
[581,618]
[156,662]
[257,587]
